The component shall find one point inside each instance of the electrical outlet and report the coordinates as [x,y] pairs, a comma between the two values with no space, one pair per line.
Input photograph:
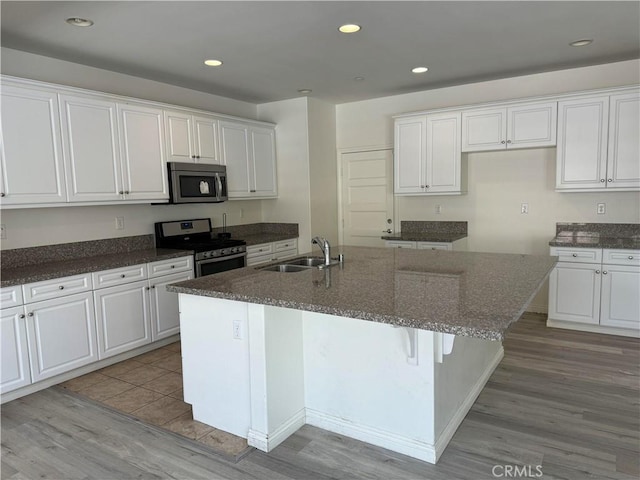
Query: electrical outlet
[237,330]
[119,223]
[241,213]
[524,208]
[602,208]
[3,232]
[438,209]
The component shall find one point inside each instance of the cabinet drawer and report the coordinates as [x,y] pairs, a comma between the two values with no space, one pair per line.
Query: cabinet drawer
[173,265]
[286,245]
[257,259]
[434,246]
[119,276]
[11,296]
[262,249]
[577,255]
[399,244]
[621,257]
[58,287]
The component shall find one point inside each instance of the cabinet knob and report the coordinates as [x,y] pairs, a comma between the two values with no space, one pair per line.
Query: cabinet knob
[421,186]
[173,266]
[388,230]
[508,141]
[602,180]
[630,257]
[21,315]
[604,272]
[30,314]
[193,156]
[147,288]
[121,192]
[126,192]
[502,142]
[426,186]
[575,255]
[122,276]
[61,287]
[153,286]
[610,180]
[598,271]
[252,191]
[2,194]
[197,156]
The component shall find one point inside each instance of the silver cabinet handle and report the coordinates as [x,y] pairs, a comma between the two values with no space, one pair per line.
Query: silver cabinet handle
[604,272]
[610,180]
[598,271]
[2,194]
[153,286]
[147,288]
[197,156]
[602,180]
[21,315]
[121,192]
[126,192]
[502,142]
[173,266]
[122,276]
[252,191]
[575,254]
[61,287]
[388,230]
[630,257]
[426,186]
[30,314]
[193,156]
[508,141]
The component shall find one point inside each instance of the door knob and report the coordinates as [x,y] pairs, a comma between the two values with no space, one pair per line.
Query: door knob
[388,230]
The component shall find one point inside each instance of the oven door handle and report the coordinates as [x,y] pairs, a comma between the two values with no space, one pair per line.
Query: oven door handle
[222,259]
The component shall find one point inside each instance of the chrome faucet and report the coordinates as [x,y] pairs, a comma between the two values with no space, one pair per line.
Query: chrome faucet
[325,247]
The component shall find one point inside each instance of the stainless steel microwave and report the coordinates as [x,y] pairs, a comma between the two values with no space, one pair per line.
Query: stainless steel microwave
[197,183]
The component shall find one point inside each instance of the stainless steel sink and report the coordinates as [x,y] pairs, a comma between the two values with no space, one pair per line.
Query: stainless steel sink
[286,268]
[306,261]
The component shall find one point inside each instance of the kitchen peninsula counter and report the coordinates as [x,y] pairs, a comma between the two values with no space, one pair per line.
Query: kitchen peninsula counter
[461,293]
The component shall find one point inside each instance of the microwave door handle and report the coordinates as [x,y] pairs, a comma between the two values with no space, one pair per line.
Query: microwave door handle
[219,190]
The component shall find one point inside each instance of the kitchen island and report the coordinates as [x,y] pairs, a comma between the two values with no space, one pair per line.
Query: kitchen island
[392,347]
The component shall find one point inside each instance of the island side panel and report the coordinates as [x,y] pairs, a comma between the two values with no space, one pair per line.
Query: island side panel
[459,380]
[215,365]
[277,375]
[359,382]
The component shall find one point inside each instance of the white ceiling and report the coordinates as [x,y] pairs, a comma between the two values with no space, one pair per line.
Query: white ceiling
[272,49]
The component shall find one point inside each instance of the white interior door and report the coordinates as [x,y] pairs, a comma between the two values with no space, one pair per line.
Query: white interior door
[367,197]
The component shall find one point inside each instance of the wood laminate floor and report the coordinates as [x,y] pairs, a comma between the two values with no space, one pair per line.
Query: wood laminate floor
[561,405]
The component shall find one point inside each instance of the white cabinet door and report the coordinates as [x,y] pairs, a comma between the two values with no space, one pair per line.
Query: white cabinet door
[484,129]
[574,292]
[61,334]
[620,297]
[532,125]
[235,155]
[143,152]
[400,244]
[443,159]
[581,156]
[263,175]
[14,349]
[122,316]
[434,246]
[91,147]
[31,148]
[165,317]
[410,152]
[179,131]
[623,168]
[205,138]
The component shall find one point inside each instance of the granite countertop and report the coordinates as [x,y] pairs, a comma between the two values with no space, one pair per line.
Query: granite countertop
[64,268]
[462,293]
[624,236]
[444,237]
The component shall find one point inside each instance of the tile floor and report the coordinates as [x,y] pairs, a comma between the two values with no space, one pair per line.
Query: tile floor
[149,387]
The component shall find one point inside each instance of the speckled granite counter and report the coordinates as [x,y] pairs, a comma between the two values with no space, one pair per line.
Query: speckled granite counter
[597,235]
[257,233]
[463,293]
[419,231]
[34,264]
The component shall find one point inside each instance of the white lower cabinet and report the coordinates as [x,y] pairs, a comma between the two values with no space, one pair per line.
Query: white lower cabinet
[16,372]
[270,252]
[595,290]
[165,317]
[61,334]
[460,244]
[123,320]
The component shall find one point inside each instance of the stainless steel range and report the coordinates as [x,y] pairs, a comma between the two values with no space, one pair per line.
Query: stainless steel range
[212,254]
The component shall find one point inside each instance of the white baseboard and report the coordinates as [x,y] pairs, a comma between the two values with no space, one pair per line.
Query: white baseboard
[586,327]
[381,438]
[445,437]
[266,442]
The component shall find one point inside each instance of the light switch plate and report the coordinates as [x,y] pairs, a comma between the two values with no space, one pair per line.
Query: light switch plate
[602,208]
[3,232]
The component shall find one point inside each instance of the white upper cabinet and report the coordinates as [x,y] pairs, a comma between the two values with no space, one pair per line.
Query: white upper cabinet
[191,138]
[31,159]
[144,172]
[623,167]
[427,155]
[598,143]
[518,126]
[91,147]
[248,151]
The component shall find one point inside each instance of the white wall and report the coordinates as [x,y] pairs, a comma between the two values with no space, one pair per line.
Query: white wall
[499,182]
[323,171]
[292,148]
[45,226]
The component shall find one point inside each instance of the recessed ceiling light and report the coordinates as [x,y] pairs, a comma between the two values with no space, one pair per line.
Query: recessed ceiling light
[304,90]
[581,43]
[349,28]
[213,63]
[358,79]
[419,69]
[79,22]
